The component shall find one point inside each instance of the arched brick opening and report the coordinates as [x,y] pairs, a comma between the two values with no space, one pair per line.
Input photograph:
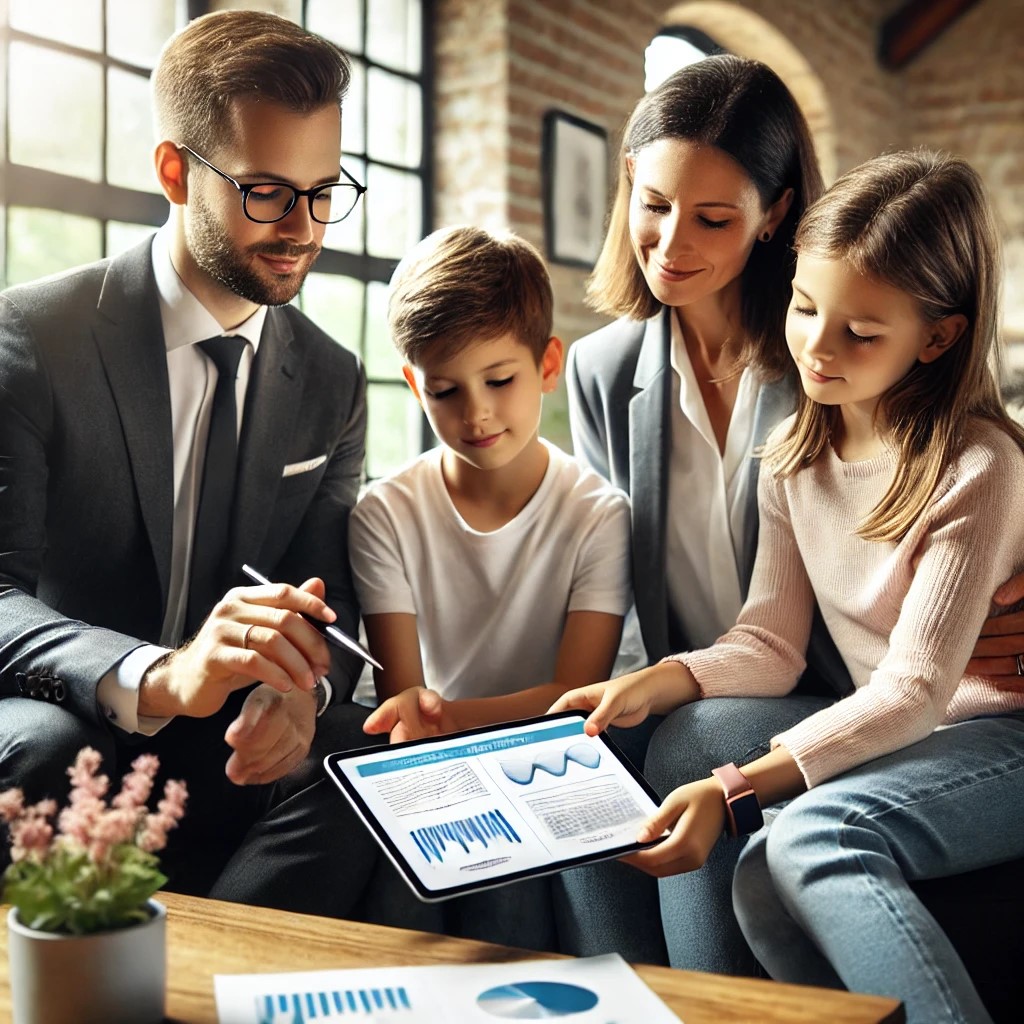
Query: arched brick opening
[742,31]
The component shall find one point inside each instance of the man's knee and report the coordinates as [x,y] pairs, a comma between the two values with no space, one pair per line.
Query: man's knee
[39,742]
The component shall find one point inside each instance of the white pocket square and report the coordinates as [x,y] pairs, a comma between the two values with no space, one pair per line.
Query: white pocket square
[294,468]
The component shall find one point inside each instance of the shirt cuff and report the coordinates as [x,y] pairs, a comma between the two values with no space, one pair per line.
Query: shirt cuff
[118,692]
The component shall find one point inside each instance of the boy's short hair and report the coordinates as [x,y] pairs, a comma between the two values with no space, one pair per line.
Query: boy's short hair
[462,285]
[234,55]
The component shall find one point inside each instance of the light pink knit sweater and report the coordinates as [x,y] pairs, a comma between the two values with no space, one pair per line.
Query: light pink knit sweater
[905,617]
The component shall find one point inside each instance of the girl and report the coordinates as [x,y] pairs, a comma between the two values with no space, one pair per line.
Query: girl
[891,499]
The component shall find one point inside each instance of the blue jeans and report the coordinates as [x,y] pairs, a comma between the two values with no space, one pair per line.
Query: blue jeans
[822,892]
[700,928]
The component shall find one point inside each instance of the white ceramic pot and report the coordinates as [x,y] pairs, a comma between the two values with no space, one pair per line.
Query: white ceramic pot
[115,977]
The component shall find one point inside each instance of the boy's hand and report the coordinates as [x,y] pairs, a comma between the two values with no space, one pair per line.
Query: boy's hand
[695,814]
[1001,642]
[628,700]
[411,715]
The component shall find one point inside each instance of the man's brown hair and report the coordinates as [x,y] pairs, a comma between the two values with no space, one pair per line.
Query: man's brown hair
[462,285]
[233,55]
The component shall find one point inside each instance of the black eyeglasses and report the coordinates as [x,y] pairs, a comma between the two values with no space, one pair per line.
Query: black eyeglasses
[268,201]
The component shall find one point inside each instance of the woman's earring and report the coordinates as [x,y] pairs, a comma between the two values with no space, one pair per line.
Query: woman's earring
[766,236]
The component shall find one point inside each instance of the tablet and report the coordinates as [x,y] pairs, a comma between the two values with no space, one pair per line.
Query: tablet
[477,809]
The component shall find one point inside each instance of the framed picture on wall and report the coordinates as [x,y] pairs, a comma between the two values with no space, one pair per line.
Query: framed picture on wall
[575,177]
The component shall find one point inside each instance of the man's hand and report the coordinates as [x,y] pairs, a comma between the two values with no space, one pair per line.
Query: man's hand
[271,735]
[253,633]
[411,715]
[1001,642]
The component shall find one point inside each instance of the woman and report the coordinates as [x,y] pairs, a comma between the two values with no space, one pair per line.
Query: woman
[669,402]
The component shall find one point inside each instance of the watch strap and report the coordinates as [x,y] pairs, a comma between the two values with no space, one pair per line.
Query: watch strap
[742,808]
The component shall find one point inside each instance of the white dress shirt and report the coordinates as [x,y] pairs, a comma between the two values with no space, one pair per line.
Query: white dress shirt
[708,501]
[192,377]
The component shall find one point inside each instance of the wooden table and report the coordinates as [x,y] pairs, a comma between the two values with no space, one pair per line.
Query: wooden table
[207,937]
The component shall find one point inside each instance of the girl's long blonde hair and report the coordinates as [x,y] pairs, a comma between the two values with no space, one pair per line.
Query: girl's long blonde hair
[920,222]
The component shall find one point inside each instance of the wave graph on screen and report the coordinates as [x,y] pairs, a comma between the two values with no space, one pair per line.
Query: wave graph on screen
[486,830]
[554,762]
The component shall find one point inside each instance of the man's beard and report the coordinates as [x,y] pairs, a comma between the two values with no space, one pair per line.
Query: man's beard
[215,254]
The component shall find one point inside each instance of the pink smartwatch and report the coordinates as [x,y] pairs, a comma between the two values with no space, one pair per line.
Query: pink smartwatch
[742,809]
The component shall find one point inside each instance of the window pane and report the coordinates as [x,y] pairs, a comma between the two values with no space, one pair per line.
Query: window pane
[392,428]
[353,112]
[121,237]
[45,241]
[393,34]
[347,234]
[136,32]
[129,132]
[382,359]
[394,119]
[46,130]
[335,304]
[3,248]
[76,22]
[338,20]
[394,211]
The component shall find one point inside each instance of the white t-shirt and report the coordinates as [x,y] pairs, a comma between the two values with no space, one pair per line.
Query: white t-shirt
[491,607]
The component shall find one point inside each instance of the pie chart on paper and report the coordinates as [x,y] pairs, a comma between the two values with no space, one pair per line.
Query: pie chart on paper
[536,1000]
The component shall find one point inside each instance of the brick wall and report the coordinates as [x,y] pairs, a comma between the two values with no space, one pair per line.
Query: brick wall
[503,63]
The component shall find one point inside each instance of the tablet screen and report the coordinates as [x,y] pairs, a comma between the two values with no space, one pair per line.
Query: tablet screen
[477,809]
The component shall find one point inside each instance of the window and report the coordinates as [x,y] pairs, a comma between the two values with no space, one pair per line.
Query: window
[385,125]
[673,48]
[76,179]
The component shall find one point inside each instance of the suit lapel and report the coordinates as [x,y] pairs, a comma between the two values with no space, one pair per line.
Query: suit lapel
[129,336]
[270,419]
[648,422]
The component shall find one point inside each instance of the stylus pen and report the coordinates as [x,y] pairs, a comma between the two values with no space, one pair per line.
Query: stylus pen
[335,635]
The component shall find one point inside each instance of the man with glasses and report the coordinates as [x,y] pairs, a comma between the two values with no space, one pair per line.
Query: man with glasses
[165,417]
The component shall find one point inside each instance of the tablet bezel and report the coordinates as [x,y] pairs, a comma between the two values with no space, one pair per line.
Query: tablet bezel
[398,858]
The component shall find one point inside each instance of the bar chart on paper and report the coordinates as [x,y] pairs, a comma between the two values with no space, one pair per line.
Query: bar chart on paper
[330,1005]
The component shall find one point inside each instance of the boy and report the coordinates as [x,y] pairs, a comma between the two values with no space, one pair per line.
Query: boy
[493,571]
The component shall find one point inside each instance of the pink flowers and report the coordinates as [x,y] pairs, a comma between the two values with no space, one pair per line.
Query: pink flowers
[97,869]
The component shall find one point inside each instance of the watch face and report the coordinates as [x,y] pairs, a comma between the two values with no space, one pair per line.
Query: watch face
[746,813]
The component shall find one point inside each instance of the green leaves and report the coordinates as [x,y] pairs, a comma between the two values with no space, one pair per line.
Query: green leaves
[71,894]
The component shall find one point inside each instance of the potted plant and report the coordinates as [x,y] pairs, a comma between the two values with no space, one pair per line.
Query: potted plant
[85,937]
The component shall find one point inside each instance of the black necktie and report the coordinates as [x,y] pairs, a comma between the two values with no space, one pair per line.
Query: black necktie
[213,520]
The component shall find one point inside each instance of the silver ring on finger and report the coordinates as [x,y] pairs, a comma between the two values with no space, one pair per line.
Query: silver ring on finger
[1020,664]
[245,639]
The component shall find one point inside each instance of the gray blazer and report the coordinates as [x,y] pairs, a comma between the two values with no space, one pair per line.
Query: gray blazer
[86,477]
[619,383]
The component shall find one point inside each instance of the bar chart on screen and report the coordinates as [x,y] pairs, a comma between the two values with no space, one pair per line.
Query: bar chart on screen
[485,830]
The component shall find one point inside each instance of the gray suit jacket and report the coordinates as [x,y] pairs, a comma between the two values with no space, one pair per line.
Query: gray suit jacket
[619,383]
[86,478]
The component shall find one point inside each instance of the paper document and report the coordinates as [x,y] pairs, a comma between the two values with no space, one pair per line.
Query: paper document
[593,990]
